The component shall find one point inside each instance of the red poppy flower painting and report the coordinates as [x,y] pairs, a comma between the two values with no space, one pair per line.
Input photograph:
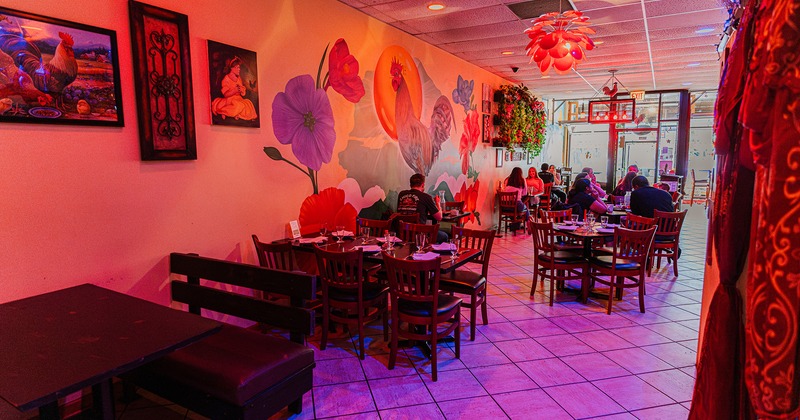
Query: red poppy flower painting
[469,195]
[326,207]
[469,139]
[343,72]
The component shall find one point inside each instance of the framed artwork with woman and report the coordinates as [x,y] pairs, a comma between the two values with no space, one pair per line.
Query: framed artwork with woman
[233,77]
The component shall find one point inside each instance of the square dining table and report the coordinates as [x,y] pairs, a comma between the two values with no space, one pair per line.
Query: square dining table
[58,343]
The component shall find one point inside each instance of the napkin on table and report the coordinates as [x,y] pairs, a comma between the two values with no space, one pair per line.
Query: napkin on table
[425,256]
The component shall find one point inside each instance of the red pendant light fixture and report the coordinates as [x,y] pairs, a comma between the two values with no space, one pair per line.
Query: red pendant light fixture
[559,40]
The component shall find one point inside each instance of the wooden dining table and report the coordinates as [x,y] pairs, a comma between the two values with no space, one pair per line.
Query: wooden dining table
[58,343]
[586,236]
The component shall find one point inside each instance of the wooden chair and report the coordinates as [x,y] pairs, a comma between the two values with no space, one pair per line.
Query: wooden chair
[677,197]
[396,218]
[278,256]
[346,295]
[554,216]
[374,227]
[702,184]
[545,200]
[468,282]
[416,301]
[508,212]
[636,222]
[454,205]
[407,231]
[626,266]
[666,242]
[552,263]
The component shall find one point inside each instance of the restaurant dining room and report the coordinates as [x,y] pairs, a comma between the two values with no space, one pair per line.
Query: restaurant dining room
[400,209]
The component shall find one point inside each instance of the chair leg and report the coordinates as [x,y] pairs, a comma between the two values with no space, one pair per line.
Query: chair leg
[610,294]
[393,344]
[641,292]
[535,279]
[326,320]
[552,289]
[385,317]
[458,336]
[434,357]
[675,260]
[361,333]
[484,309]
[473,315]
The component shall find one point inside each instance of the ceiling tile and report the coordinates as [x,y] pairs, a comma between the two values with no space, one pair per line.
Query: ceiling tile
[462,19]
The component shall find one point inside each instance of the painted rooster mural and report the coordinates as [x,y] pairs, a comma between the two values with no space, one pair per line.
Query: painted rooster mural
[49,77]
[419,145]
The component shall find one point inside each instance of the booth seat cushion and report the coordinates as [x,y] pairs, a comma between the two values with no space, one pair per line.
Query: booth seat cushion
[235,364]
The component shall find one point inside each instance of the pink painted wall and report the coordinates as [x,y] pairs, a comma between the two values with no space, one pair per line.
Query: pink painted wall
[80,206]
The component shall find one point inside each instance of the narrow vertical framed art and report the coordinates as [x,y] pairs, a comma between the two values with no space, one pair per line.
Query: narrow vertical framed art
[163,75]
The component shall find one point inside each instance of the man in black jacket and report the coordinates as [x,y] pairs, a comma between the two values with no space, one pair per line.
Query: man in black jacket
[645,199]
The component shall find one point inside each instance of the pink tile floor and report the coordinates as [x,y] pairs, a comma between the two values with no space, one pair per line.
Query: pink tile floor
[531,361]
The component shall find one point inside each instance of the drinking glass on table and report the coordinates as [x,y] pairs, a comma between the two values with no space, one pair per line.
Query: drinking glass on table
[364,234]
[574,218]
[604,221]
[323,229]
[453,249]
[420,240]
[590,220]
[339,234]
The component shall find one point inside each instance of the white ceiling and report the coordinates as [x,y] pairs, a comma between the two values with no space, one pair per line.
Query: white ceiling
[478,30]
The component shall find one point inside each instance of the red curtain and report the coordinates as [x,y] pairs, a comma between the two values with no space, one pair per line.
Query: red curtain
[771,114]
[758,129]
[719,391]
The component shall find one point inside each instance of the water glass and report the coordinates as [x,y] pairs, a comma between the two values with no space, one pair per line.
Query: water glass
[339,234]
[575,218]
[604,221]
[323,229]
[364,233]
[420,240]
[453,249]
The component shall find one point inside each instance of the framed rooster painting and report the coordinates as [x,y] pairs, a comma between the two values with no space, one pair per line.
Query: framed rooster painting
[56,71]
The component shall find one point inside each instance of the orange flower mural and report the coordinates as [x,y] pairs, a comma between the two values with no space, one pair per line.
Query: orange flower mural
[469,195]
[326,207]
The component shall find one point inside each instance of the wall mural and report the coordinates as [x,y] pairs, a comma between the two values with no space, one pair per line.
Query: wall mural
[388,143]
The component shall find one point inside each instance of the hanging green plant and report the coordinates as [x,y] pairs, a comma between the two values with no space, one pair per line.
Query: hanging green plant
[522,119]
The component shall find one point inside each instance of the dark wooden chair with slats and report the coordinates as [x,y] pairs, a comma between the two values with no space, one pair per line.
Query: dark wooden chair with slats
[417,303]
[408,231]
[667,240]
[554,263]
[277,256]
[468,282]
[375,227]
[509,214]
[545,200]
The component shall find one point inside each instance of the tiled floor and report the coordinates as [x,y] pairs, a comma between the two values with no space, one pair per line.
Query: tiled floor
[532,360]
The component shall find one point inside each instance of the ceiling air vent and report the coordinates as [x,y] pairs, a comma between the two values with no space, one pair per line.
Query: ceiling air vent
[535,8]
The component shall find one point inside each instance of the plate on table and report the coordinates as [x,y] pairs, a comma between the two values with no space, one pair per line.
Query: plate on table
[393,239]
[369,249]
[444,247]
[565,227]
[425,256]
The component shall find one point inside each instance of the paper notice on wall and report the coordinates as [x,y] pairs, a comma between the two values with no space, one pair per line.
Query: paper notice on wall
[295,229]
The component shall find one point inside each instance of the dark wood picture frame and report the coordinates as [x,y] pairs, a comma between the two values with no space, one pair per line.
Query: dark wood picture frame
[37,89]
[487,129]
[499,158]
[238,108]
[163,75]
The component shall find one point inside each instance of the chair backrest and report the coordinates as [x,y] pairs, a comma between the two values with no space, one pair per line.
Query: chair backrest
[636,222]
[412,280]
[407,231]
[396,218]
[632,244]
[669,223]
[454,205]
[508,200]
[544,199]
[342,270]
[555,216]
[278,256]
[543,235]
[475,239]
[375,227]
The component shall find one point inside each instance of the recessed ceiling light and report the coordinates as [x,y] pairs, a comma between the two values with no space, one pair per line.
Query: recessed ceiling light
[506,52]
[693,65]
[598,42]
[686,83]
[704,30]
[436,6]
[545,77]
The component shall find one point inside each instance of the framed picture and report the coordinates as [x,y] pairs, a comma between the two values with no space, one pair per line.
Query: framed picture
[487,128]
[163,75]
[58,72]
[530,159]
[486,107]
[499,158]
[233,78]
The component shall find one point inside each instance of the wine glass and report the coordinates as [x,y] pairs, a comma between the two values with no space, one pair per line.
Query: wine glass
[364,234]
[604,221]
[421,239]
[323,229]
[453,249]
[574,218]
[339,234]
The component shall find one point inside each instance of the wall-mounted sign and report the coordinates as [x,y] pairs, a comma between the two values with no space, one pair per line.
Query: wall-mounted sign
[637,94]
[612,112]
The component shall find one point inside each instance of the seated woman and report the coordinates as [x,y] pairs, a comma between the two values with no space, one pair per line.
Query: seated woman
[624,185]
[579,194]
[516,183]
[535,186]
[556,175]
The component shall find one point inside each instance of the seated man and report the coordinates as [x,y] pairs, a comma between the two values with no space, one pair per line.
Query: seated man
[645,199]
[415,200]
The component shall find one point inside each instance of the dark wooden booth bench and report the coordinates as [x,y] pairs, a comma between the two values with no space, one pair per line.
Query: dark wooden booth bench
[237,373]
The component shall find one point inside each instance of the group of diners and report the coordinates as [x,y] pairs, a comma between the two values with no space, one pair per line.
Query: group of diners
[586,194]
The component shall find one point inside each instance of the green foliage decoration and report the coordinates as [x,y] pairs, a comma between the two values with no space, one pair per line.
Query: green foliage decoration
[522,119]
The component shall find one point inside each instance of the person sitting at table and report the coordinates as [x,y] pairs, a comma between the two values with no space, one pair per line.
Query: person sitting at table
[599,192]
[556,175]
[580,194]
[548,178]
[516,183]
[645,199]
[633,168]
[535,186]
[415,200]
[624,185]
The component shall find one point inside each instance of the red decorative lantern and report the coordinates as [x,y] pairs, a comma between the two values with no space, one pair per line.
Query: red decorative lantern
[559,40]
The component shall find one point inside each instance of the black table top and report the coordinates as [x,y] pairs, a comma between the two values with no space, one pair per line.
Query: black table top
[60,342]
[455,218]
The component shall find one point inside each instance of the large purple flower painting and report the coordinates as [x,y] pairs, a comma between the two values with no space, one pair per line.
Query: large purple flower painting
[302,116]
